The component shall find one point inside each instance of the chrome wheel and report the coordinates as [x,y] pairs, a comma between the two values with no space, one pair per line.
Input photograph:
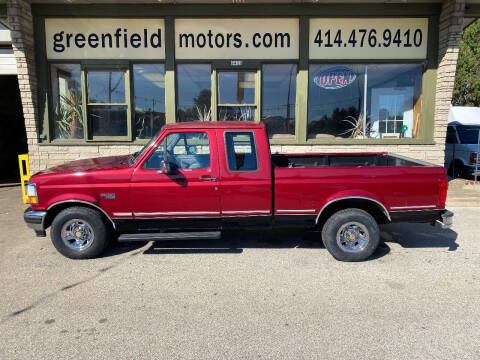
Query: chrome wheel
[352,237]
[77,234]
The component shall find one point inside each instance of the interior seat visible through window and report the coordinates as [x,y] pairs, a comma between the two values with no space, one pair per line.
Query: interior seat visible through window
[185,151]
[241,151]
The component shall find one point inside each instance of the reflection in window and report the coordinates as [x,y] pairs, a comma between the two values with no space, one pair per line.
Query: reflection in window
[241,151]
[107,104]
[108,120]
[394,95]
[236,87]
[236,96]
[67,101]
[106,87]
[236,113]
[279,83]
[333,106]
[337,101]
[149,98]
[187,150]
[194,92]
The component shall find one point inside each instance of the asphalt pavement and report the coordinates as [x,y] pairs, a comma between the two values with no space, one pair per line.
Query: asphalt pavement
[250,295]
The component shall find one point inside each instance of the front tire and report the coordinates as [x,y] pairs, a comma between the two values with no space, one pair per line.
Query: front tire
[351,235]
[79,233]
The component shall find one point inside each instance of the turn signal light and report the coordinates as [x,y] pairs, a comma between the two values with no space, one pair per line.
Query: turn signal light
[32,199]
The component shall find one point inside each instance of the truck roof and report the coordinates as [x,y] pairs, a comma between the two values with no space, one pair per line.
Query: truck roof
[215,125]
[464,115]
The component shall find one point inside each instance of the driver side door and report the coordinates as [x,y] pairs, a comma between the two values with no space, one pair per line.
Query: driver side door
[188,196]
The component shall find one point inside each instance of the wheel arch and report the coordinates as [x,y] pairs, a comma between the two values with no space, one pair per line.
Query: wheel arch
[374,207]
[55,208]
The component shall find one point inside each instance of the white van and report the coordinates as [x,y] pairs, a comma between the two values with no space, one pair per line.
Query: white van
[462,141]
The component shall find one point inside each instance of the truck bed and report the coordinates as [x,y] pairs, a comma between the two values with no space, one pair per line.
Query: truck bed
[341,160]
[310,181]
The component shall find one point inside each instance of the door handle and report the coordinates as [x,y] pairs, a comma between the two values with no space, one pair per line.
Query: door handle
[207,178]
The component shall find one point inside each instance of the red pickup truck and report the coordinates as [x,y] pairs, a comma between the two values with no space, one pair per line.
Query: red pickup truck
[195,179]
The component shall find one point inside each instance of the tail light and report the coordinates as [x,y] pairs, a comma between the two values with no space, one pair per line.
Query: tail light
[443,191]
[473,158]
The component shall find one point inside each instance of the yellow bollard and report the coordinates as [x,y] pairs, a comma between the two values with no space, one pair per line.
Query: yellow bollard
[24,166]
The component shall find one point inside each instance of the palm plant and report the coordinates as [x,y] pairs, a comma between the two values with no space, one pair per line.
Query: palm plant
[356,130]
[69,116]
[246,114]
[203,114]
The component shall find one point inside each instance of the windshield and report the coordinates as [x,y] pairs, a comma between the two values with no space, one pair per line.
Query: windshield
[137,155]
[468,134]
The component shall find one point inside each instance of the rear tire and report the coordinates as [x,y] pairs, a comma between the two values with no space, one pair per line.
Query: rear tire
[79,233]
[351,235]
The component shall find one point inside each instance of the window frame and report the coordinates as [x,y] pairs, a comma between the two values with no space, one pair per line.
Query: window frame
[164,138]
[50,111]
[294,139]
[85,66]
[426,134]
[212,82]
[256,88]
[132,97]
[254,144]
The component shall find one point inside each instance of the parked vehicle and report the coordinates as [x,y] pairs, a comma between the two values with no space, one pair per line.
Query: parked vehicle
[195,179]
[462,143]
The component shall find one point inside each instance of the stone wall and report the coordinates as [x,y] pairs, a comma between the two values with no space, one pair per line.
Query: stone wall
[41,157]
[450,33]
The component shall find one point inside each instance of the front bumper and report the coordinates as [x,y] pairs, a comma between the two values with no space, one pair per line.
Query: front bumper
[35,220]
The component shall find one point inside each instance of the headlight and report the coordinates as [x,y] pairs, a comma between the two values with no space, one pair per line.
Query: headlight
[32,193]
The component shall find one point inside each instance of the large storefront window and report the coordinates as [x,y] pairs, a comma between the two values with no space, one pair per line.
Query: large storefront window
[108,104]
[194,92]
[279,83]
[67,101]
[236,96]
[149,99]
[339,80]
[380,101]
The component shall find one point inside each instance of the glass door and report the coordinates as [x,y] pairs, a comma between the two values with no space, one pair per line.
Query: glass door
[237,95]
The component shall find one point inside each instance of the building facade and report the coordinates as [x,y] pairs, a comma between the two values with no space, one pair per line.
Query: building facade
[99,80]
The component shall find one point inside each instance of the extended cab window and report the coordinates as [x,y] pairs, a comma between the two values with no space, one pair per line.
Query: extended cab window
[185,150]
[241,151]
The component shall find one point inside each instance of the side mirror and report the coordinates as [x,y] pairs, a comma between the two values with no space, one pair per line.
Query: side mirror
[164,167]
